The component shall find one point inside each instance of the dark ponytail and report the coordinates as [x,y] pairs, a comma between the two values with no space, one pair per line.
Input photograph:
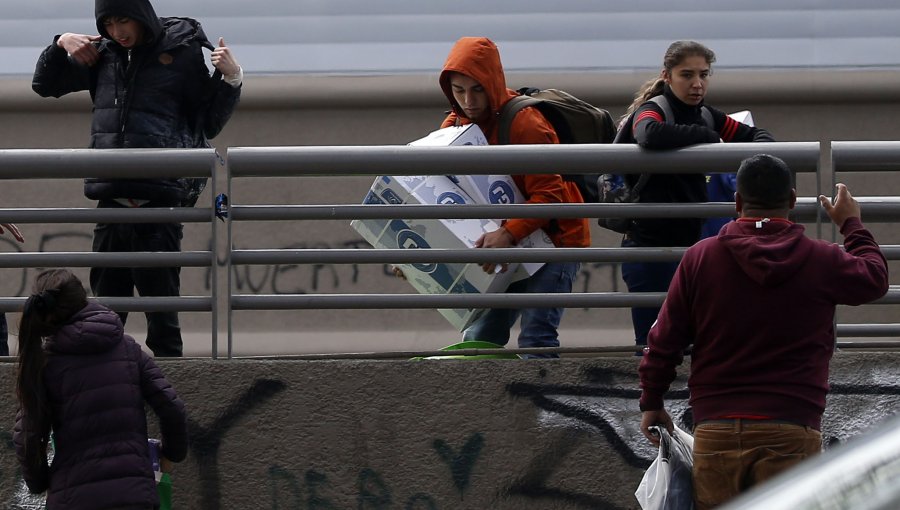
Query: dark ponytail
[57,295]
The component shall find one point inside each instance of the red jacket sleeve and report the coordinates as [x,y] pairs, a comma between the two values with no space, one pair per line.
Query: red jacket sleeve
[530,127]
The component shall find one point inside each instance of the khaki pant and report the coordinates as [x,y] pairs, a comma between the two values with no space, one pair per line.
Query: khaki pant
[730,456]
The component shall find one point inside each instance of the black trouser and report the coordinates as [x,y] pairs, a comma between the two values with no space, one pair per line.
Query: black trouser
[4,336]
[163,331]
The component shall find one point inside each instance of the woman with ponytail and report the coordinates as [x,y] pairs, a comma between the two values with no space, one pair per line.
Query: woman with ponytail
[83,379]
[669,112]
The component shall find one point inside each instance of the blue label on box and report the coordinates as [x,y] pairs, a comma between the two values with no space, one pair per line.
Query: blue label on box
[450,198]
[411,240]
[501,192]
[391,197]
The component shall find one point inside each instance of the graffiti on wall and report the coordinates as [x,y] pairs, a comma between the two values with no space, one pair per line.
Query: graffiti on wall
[596,414]
[312,278]
[605,407]
[274,278]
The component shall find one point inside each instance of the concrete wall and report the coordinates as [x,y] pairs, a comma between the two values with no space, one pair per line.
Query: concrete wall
[373,110]
[430,435]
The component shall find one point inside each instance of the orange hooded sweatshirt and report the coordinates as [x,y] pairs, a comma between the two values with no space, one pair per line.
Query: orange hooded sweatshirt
[479,59]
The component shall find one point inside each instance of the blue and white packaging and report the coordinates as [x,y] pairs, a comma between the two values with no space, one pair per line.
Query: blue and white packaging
[433,278]
[470,134]
[502,189]
[743,116]
[155,445]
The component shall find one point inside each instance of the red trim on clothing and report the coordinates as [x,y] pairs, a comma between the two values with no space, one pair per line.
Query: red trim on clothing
[648,114]
[729,129]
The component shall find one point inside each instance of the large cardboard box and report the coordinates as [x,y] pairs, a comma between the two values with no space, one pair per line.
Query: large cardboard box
[743,116]
[470,134]
[502,189]
[434,278]
[447,233]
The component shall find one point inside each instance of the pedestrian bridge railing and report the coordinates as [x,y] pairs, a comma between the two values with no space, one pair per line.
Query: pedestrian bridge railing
[260,163]
[124,163]
[247,163]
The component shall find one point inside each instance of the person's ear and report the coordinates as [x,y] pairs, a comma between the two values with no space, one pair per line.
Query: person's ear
[738,203]
[664,76]
[793,198]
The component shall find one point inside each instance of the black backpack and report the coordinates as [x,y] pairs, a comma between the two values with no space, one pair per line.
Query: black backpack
[574,120]
[614,189]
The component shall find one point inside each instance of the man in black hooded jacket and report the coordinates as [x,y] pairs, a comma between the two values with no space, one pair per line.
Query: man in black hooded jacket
[150,89]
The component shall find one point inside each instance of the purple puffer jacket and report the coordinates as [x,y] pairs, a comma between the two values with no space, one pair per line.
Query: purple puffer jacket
[97,381]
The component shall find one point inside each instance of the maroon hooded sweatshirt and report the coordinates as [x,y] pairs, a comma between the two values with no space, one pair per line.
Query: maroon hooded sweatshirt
[757,302]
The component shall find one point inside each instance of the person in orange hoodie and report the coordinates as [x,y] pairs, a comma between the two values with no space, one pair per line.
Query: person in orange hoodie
[474,83]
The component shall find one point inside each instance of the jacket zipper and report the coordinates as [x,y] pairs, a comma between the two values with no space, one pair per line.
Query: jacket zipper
[125,94]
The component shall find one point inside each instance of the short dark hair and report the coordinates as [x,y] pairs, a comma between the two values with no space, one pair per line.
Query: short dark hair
[765,182]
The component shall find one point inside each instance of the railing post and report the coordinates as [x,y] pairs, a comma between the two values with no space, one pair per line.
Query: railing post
[228,248]
[213,267]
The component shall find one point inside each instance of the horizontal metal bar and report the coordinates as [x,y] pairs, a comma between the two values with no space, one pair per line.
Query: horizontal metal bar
[494,300]
[105,163]
[875,209]
[611,349]
[509,159]
[629,349]
[865,156]
[106,259]
[107,215]
[131,304]
[433,301]
[867,345]
[420,211]
[401,256]
[869,330]
[891,298]
[412,256]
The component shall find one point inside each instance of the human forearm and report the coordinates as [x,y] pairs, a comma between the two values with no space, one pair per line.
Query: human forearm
[56,74]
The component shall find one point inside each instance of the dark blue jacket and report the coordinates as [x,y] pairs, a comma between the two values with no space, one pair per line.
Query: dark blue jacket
[97,381]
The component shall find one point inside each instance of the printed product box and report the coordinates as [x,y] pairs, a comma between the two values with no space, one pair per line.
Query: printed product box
[501,189]
[743,116]
[470,134]
[433,278]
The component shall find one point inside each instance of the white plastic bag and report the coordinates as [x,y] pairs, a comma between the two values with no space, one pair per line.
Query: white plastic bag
[667,484]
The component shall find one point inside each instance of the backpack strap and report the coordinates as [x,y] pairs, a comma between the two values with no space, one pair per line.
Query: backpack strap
[509,112]
[707,118]
[639,185]
[663,103]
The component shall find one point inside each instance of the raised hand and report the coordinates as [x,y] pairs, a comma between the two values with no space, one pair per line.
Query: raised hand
[223,60]
[843,207]
[80,47]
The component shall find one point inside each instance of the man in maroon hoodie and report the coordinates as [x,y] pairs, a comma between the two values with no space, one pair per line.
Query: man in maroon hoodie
[757,302]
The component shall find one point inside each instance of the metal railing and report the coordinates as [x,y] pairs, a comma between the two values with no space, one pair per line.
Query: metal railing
[802,157]
[145,163]
[264,162]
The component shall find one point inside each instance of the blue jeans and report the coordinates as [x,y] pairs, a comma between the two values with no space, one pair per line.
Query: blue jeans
[645,277]
[731,456]
[538,325]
